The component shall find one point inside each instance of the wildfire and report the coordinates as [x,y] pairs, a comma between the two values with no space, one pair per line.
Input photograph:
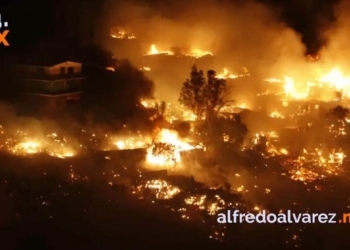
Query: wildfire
[28,147]
[154,51]
[226,74]
[316,165]
[295,91]
[110,69]
[173,111]
[50,145]
[131,142]
[166,149]
[273,80]
[202,202]
[276,114]
[121,34]
[161,189]
[337,81]
[325,86]
[197,53]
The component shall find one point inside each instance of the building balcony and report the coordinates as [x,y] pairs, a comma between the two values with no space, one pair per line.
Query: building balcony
[53,86]
[51,92]
[46,77]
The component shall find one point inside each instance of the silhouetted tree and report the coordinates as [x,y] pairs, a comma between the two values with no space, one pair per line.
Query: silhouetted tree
[217,95]
[159,116]
[222,136]
[117,95]
[183,129]
[192,92]
[204,97]
[160,109]
[338,113]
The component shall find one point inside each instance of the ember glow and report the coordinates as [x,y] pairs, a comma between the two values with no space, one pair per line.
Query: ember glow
[161,188]
[317,165]
[20,143]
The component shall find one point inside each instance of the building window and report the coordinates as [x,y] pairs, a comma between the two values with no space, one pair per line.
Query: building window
[70,70]
[62,70]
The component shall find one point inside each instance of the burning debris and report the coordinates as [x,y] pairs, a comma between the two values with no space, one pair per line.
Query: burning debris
[20,143]
[166,149]
[315,165]
[198,203]
[120,33]
[162,190]
[194,53]
[226,74]
[154,51]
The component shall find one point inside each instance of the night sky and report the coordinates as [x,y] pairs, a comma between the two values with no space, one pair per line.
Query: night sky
[62,20]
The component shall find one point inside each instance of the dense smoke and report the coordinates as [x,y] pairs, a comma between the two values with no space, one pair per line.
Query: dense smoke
[250,34]
[337,51]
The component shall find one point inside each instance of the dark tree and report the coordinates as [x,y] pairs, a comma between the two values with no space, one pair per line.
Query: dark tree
[339,113]
[204,96]
[158,117]
[192,92]
[223,136]
[116,95]
[183,129]
[217,95]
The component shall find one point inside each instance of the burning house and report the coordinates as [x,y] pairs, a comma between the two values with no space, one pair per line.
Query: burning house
[50,86]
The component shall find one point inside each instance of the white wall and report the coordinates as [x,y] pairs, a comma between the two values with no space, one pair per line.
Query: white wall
[56,70]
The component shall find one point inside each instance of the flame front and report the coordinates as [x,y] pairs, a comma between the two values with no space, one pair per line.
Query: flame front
[154,51]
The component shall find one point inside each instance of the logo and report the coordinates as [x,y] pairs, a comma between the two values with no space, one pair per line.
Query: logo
[3,34]
[3,38]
